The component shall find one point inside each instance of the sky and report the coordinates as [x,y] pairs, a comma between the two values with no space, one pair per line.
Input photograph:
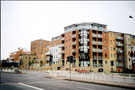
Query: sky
[25,21]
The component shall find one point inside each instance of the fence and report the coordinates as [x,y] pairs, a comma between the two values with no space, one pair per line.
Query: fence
[115,77]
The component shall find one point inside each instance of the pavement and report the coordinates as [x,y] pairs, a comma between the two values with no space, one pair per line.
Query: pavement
[39,80]
[100,82]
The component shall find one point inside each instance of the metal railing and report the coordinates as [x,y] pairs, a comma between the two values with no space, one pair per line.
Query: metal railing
[112,77]
[118,37]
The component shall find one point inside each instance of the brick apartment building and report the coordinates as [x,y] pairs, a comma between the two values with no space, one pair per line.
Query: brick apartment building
[14,56]
[95,48]
[39,48]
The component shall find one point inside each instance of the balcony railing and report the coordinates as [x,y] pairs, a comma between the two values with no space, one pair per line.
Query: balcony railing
[94,58]
[94,42]
[94,50]
[62,45]
[100,43]
[74,36]
[94,35]
[99,36]
[74,50]
[119,51]
[118,37]
[100,58]
[119,44]
[74,43]
[63,51]
[100,50]
[100,65]
[94,65]
[62,38]
[119,58]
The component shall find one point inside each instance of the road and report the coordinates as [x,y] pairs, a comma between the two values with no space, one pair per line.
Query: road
[37,80]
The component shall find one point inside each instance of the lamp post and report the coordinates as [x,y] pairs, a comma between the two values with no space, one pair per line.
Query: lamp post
[131,17]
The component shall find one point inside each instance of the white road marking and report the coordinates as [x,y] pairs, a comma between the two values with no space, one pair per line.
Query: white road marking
[31,86]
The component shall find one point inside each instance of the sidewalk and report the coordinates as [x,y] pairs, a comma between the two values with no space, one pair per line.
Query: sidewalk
[101,82]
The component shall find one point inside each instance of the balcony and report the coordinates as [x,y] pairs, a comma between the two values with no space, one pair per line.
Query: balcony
[94,42]
[62,45]
[63,51]
[100,50]
[100,43]
[74,36]
[74,43]
[94,65]
[119,65]
[94,58]
[94,35]
[119,44]
[100,65]
[62,38]
[99,35]
[74,50]
[119,51]
[94,50]
[119,38]
[100,58]
[119,58]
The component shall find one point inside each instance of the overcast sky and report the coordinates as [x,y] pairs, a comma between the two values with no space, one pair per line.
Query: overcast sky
[25,21]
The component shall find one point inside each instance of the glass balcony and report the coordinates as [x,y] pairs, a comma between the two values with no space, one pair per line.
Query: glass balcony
[74,50]
[94,50]
[94,42]
[94,58]
[63,51]
[99,35]
[100,43]
[100,58]
[62,45]
[94,35]
[100,50]
[118,37]
[119,58]
[119,44]
[74,36]
[119,51]
[62,38]
[74,43]
[100,65]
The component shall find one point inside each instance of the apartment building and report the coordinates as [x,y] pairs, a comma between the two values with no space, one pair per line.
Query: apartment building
[39,48]
[95,48]
[14,56]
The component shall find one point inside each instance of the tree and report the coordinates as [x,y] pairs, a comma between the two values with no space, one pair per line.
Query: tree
[41,63]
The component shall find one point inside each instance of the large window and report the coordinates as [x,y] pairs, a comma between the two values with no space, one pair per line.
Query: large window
[84,48]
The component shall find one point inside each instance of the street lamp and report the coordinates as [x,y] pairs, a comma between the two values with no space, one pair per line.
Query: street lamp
[131,17]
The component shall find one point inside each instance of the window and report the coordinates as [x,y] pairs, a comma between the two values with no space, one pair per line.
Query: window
[129,59]
[104,33]
[105,55]
[112,63]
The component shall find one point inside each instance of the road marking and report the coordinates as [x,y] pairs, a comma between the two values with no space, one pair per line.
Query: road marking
[31,86]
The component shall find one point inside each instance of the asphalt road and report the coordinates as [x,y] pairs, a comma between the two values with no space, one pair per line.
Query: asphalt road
[36,80]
